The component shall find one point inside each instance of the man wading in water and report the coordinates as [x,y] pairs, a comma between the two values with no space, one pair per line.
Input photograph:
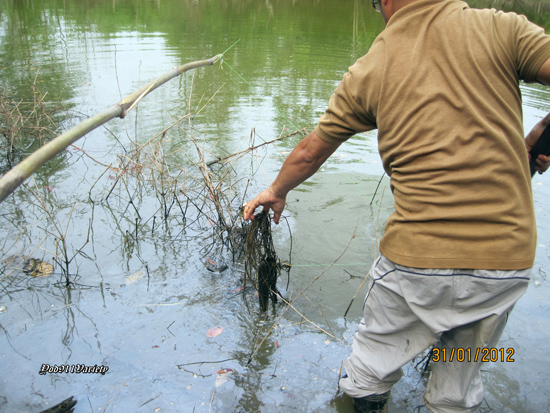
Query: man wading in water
[441,85]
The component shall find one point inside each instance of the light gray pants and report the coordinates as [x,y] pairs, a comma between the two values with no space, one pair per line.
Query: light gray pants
[407,310]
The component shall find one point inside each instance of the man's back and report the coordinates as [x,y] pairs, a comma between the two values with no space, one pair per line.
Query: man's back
[441,85]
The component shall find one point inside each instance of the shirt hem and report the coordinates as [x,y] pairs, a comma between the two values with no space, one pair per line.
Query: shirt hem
[457,263]
[328,138]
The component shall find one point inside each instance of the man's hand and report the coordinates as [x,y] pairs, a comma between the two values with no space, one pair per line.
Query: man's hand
[543,161]
[269,200]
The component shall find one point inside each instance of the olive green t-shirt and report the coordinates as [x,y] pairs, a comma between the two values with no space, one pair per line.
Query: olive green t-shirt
[441,84]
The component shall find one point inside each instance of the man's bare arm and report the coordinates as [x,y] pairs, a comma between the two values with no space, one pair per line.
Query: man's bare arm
[543,76]
[302,163]
[543,161]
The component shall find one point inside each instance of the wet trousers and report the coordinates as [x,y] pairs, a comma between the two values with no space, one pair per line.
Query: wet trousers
[407,310]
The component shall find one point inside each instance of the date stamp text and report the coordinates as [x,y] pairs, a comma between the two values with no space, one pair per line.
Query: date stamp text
[475,354]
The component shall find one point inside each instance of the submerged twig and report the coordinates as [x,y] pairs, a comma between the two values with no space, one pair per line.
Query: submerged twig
[374,258]
[252,148]
[376,190]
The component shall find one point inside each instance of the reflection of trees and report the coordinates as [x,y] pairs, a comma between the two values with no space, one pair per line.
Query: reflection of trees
[32,35]
[281,41]
[538,11]
[35,80]
[258,361]
[536,96]
[281,53]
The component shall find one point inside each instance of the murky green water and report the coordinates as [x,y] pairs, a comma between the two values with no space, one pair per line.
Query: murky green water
[143,301]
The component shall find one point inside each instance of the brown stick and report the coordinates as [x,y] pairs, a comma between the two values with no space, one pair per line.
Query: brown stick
[302,131]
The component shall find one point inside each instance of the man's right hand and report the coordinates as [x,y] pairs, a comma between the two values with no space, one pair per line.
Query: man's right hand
[543,161]
[269,200]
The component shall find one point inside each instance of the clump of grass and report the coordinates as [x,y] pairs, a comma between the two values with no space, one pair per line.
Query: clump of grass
[26,125]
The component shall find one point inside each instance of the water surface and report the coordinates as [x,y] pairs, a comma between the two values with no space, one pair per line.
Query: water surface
[143,301]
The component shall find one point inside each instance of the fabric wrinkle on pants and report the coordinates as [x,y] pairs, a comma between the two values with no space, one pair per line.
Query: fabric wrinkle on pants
[407,310]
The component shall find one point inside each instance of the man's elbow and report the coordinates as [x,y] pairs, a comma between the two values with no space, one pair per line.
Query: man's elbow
[307,156]
[314,150]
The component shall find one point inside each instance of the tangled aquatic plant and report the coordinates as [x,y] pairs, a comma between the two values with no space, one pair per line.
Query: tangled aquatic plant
[261,264]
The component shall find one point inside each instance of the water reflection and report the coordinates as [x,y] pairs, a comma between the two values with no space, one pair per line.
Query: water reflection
[289,59]
[538,11]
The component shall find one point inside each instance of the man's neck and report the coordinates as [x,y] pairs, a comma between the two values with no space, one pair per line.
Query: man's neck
[392,6]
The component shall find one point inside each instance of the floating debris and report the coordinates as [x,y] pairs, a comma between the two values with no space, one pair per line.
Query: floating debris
[66,406]
[214,331]
[223,377]
[138,275]
[37,268]
[3,308]
[223,371]
[213,267]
